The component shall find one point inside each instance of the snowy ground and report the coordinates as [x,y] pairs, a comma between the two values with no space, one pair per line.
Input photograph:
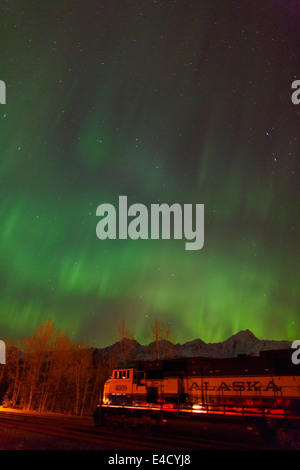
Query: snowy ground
[15,439]
[20,439]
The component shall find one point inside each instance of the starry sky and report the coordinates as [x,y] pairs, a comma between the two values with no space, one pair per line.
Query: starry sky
[161,101]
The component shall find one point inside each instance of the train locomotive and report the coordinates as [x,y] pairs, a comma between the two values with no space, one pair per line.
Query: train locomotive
[146,394]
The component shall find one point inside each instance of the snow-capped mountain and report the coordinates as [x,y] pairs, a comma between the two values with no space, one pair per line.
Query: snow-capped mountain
[243,342]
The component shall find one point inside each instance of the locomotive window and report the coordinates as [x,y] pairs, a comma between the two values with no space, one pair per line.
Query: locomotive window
[123,374]
[127,374]
[116,374]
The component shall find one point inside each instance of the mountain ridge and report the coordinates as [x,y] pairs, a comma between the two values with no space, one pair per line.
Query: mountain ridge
[243,342]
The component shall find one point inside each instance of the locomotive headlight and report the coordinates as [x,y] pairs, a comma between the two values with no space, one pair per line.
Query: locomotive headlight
[197,408]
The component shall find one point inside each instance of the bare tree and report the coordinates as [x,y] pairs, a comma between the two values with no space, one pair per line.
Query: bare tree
[82,369]
[36,348]
[56,364]
[124,337]
[161,339]
[100,376]
[13,373]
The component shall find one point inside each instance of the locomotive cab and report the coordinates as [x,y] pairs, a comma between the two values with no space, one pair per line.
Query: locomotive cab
[118,389]
[136,387]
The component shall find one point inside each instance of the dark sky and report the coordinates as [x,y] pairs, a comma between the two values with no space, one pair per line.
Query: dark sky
[164,102]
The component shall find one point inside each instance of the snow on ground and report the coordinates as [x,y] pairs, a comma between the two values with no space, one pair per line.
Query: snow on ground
[16,439]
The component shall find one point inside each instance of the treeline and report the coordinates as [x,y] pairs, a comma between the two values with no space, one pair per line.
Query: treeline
[48,372]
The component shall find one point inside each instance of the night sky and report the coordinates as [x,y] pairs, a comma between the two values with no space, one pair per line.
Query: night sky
[161,101]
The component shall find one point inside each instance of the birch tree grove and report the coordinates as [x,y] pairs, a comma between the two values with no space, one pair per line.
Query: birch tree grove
[48,372]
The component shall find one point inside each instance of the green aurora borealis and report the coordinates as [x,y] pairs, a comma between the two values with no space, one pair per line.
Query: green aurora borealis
[166,101]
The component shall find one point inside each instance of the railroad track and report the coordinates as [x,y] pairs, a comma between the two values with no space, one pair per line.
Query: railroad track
[72,429]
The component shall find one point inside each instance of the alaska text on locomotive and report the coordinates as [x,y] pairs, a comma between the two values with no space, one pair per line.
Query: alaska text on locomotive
[118,226]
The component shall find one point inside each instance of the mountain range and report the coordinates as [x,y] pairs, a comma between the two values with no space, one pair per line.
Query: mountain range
[243,342]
